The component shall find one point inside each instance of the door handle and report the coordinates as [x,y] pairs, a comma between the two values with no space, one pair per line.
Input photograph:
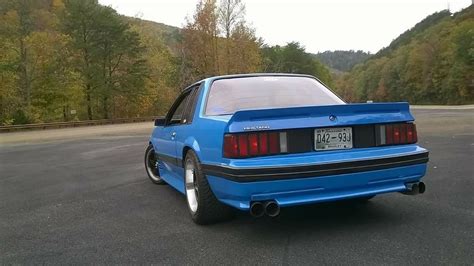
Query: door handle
[173,135]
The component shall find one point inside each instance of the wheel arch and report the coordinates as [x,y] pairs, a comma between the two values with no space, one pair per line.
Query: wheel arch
[191,144]
[185,151]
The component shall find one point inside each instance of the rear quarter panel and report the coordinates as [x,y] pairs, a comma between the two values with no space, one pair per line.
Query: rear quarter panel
[205,135]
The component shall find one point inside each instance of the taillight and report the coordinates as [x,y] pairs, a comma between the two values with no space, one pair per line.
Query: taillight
[231,146]
[253,144]
[243,146]
[399,134]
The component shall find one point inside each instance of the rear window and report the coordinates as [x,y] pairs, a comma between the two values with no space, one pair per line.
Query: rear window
[227,96]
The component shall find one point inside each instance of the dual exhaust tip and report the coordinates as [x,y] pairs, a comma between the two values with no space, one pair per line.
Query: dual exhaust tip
[270,208]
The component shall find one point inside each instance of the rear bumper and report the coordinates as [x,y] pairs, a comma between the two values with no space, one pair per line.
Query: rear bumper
[304,184]
[313,170]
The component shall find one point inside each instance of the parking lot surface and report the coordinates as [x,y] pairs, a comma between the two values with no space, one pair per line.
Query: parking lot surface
[75,196]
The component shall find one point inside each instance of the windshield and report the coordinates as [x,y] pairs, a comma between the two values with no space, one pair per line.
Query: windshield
[227,96]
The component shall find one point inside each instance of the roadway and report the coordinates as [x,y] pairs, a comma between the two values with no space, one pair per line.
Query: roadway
[81,195]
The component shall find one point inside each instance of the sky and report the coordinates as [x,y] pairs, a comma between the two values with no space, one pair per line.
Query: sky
[319,25]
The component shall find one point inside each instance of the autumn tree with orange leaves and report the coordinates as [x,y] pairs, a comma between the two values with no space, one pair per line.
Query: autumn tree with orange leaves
[217,41]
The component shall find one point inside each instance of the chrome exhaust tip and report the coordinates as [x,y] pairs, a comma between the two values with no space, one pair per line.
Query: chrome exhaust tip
[415,188]
[421,187]
[272,208]
[257,209]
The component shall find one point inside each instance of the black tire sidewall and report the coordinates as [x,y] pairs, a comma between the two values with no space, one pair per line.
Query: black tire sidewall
[147,151]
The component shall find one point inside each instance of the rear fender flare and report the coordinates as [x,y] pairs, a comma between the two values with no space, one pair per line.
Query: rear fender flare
[191,143]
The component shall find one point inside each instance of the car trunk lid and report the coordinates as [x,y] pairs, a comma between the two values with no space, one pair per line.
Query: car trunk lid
[319,116]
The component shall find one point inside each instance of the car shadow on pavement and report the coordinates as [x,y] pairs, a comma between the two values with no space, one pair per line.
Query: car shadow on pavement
[328,216]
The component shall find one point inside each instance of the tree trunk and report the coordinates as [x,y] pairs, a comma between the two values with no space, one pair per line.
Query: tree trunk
[227,46]
[24,78]
[88,100]
[105,107]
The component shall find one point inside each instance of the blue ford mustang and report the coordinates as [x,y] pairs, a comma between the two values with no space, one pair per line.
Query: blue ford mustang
[259,142]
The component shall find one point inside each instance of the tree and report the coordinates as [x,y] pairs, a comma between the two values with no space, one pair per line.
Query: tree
[205,52]
[244,51]
[109,54]
[199,44]
[429,64]
[342,60]
[231,15]
[34,63]
[162,82]
[17,24]
[292,58]
[80,22]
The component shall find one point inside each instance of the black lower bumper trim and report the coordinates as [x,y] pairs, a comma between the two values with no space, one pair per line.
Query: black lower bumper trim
[274,173]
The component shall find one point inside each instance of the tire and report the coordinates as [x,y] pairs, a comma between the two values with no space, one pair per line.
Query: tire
[203,205]
[151,166]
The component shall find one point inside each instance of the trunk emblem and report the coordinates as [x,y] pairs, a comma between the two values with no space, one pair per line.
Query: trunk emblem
[332,117]
[256,128]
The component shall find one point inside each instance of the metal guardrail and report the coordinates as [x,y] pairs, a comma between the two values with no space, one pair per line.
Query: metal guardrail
[74,124]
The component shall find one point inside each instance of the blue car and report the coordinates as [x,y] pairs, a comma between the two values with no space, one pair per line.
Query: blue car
[258,142]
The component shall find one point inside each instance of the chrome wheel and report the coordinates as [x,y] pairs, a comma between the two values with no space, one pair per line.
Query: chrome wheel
[152,165]
[191,185]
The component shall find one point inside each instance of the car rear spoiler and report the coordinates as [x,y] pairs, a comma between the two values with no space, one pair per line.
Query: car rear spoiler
[319,116]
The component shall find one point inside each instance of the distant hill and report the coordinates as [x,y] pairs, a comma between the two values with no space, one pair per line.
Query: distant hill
[342,61]
[432,63]
[408,35]
[337,62]
[167,34]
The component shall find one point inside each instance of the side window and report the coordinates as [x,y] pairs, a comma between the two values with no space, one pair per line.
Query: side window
[189,113]
[177,113]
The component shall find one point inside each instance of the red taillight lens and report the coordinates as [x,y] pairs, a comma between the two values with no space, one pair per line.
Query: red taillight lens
[231,147]
[388,134]
[253,144]
[274,142]
[396,134]
[403,133]
[411,133]
[400,134]
[243,145]
[263,140]
[415,135]
[253,140]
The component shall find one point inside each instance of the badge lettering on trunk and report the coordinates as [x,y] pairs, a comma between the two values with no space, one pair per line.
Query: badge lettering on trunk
[256,128]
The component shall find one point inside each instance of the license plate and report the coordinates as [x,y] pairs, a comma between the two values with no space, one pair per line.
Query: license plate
[333,138]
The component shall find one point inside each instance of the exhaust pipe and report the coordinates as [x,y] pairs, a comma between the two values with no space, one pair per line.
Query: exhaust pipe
[415,188]
[257,209]
[272,208]
[421,187]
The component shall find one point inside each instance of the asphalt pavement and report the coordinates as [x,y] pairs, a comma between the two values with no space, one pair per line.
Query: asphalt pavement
[77,196]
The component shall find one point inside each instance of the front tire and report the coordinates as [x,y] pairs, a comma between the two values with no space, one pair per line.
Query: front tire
[202,203]
[151,166]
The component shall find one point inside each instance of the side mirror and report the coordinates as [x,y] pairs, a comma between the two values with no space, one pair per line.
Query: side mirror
[159,122]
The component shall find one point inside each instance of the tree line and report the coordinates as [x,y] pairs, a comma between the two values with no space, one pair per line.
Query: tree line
[433,63]
[342,60]
[63,60]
